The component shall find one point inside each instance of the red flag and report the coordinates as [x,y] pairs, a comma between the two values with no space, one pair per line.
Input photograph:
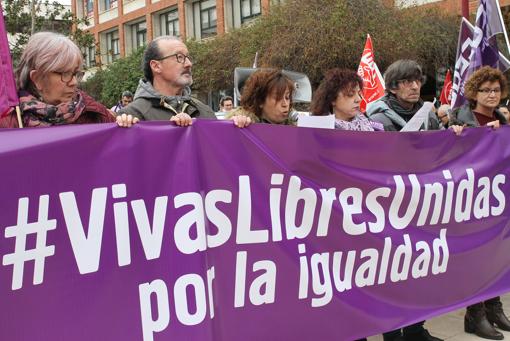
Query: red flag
[373,84]
[446,93]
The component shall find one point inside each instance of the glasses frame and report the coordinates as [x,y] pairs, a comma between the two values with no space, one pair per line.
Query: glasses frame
[179,58]
[68,76]
[407,82]
[488,92]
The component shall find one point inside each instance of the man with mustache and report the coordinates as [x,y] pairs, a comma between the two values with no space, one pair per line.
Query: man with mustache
[403,80]
[164,93]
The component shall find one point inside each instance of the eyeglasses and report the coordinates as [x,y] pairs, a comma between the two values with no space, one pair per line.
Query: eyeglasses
[179,57]
[487,91]
[408,82]
[66,77]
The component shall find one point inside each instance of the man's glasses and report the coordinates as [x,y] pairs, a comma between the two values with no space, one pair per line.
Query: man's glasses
[179,57]
[408,82]
[66,77]
[487,91]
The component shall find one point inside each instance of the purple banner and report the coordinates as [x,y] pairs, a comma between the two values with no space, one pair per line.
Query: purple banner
[211,232]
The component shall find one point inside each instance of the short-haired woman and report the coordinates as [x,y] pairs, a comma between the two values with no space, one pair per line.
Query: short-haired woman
[484,90]
[339,94]
[47,81]
[266,98]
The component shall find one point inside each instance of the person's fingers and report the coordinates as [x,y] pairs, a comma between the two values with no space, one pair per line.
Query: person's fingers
[241,121]
[119,121]
[493,124]
[182,120]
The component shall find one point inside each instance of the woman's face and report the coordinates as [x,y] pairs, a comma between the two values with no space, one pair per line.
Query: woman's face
[59,86]
[488,95]
[505,112]
[274,110]
[346,106]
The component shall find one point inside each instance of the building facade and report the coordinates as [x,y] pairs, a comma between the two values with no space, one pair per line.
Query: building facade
[120,26]
[451,6]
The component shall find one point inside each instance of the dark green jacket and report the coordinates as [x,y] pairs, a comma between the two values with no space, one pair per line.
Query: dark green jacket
[149,105]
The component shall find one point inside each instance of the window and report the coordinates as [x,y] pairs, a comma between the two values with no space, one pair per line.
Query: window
[139,34]
[249,9]
[91,56]
[239,12]
[205,17]
[112,46]
[89,7]
[169,23]
[105,5]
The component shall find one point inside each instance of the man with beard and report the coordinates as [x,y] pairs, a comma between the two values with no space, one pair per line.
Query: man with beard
[164,93]
[403,80]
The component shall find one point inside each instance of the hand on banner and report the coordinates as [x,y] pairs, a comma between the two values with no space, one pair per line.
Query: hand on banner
[494,124]
[126,121]
[457,129]
[241,121]
[182,119]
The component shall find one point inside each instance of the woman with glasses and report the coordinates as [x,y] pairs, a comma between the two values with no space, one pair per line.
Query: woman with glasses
[484,90]
[266,98]
[47,81]
[339,94]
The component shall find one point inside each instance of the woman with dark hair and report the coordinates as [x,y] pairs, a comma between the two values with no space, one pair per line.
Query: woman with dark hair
[47,80]
[484,90]
[339,94]
[266,98]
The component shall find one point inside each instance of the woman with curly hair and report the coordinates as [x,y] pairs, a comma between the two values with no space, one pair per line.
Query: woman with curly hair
[339,94]
[266,98]
[484,90]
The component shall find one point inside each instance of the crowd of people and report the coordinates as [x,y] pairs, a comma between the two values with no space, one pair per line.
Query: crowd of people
[50,70]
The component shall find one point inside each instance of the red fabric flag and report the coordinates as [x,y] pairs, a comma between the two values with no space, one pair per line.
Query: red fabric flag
[373,84]
[8,94]
[446,93]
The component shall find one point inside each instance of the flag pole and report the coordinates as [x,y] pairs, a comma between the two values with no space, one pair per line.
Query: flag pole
[18,116]
[503,24]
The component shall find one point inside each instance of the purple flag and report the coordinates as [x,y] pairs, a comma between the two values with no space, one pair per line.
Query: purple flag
[484,49]
[477,46]
[214,233]
[8,94]
[461,71]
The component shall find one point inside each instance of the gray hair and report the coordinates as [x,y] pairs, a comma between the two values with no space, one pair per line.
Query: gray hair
[152,52]
[402,69]
[46,52]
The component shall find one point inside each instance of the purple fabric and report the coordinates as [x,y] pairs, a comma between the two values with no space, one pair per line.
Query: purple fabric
[477,46]
[205,162]
[484,47]
[462,69]
[8,95]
